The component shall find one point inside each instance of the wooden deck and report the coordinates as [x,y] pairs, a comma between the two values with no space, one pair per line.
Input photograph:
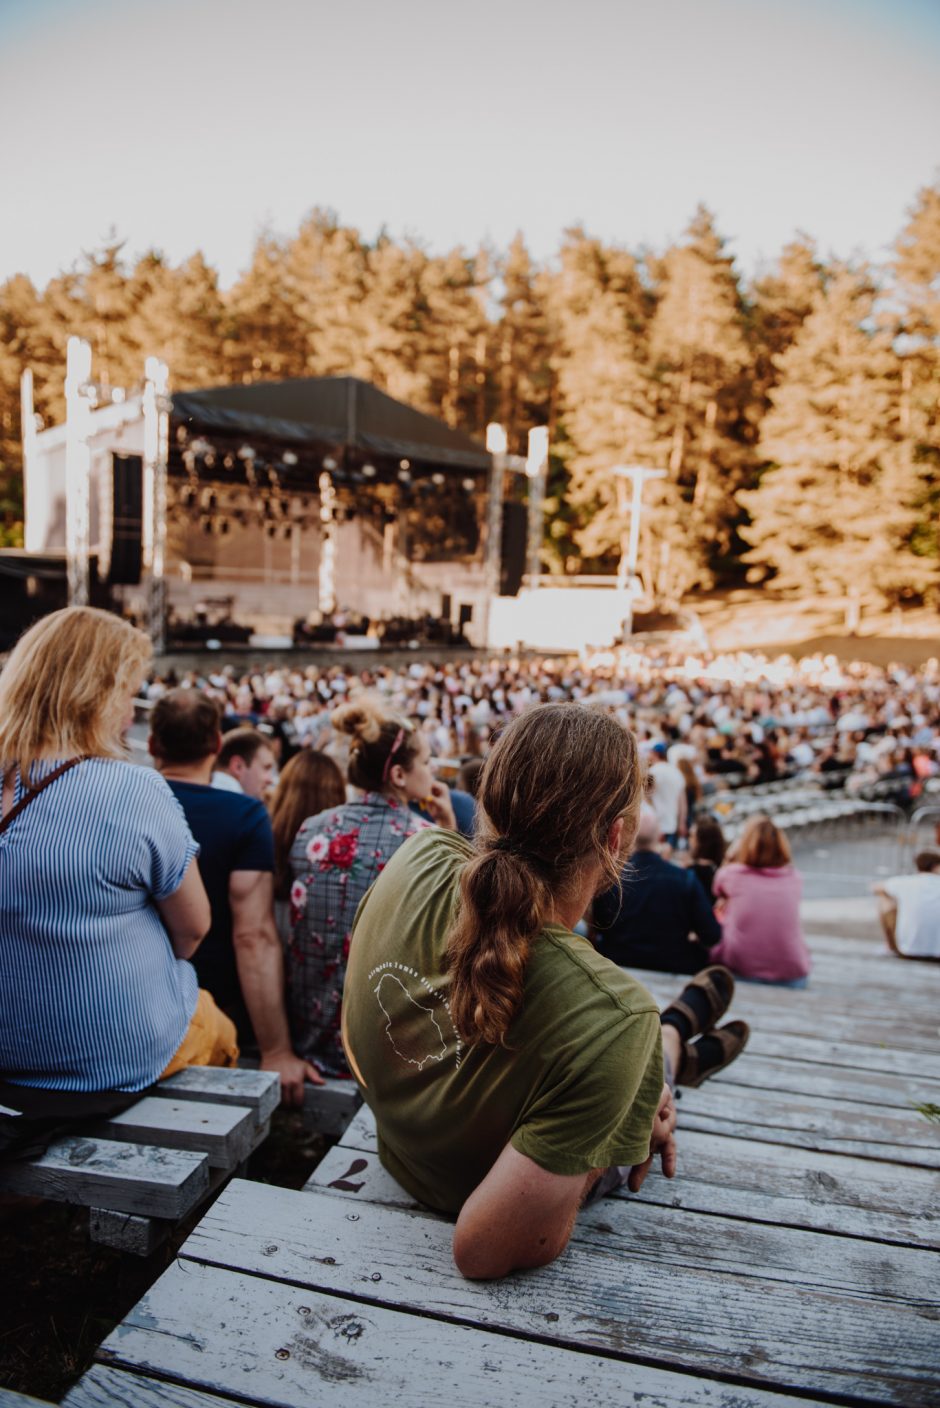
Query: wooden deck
[795,1257]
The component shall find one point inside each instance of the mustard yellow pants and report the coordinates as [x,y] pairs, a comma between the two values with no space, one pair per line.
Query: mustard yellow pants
[210,1041]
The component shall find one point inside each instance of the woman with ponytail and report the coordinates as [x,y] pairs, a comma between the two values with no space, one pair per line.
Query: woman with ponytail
[335,858]
[509,1064]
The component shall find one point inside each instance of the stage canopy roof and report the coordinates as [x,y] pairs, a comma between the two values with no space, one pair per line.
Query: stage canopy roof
[339,411]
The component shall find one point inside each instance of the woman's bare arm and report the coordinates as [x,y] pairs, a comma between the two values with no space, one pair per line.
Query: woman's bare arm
[186,913]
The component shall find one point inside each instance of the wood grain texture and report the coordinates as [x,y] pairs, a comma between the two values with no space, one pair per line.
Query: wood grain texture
[749,1180]
[224,1133]
[260,1090]
[125,1233]
[296,1348]
[772,1306]
[779,1074]
[830,1126]
[128,1178]
[102,1387]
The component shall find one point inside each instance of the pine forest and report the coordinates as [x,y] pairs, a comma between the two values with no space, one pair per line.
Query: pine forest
[797,414]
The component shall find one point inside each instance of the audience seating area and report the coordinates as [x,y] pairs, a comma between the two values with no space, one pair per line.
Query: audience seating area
[795,1257]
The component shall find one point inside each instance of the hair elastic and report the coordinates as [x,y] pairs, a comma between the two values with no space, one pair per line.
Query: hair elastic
[399,740]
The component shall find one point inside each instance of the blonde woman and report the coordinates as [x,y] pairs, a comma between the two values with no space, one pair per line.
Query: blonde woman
[101,902]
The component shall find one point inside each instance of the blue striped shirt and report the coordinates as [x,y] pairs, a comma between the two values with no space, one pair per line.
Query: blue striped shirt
[92,996]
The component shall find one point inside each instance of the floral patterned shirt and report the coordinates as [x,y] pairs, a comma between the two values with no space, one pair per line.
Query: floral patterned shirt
[334,859]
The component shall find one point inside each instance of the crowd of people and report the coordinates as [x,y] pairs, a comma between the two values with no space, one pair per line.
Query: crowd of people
[294,879]
[735,719]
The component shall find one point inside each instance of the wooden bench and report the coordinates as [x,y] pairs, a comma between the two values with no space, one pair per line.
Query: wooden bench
[796,1253]
[143,1171]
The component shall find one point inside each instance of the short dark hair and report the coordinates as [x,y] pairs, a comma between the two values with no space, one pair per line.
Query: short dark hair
[185,726]
[241,743]
[927,860]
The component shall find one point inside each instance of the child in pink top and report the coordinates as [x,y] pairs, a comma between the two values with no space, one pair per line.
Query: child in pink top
[758,902]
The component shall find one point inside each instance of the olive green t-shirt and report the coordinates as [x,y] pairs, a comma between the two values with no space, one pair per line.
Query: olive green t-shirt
[576,1086]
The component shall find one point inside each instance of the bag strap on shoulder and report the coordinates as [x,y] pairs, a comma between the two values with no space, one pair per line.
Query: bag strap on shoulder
[33,792]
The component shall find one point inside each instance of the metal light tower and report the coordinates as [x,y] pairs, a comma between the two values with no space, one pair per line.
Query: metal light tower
[156,408]
[536,468]
[77,468]
[626,572]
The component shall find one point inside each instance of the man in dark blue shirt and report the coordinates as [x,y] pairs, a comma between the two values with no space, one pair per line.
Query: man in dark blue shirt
[650,922]
[240,960]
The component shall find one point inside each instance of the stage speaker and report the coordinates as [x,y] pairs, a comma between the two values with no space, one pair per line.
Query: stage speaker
[512,548]
[127,521]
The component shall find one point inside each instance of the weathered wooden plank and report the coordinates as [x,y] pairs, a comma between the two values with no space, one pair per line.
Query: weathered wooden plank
[359,1176]
[797,1188]
[750,1180]
[260,1090]
[224,1133]
[830,1126]
[128,1178]
[10,1399]
[102,1387]
[360,1133]
[803,1311]
[328,1108]
[819,1050]
[126,1233]
[789,1011]
[899,1093]
[296,1348]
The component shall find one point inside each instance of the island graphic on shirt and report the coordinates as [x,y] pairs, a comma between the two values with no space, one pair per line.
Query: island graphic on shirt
[415,1040]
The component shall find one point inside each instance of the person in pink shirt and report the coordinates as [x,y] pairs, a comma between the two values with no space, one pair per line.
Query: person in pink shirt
[757,894]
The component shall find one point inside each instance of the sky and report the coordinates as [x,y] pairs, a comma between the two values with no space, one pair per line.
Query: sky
[197,124]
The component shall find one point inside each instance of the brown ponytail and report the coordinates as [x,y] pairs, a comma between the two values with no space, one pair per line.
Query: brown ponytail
[550,791]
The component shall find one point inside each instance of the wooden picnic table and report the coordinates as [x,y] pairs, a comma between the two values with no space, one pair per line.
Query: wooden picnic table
[795,1257]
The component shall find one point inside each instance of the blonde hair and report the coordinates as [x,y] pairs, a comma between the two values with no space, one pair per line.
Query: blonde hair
[379,741]
[65,686]
[550,791]
[762,845]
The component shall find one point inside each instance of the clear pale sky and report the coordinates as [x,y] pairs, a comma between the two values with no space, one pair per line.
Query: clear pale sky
[193,124]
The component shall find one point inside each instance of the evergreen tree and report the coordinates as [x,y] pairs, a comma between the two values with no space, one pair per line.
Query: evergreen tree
[177,317]
[780,304]
[835,512]
[326,280]
[524,373]
[703,366]
[599,310]
[264,339]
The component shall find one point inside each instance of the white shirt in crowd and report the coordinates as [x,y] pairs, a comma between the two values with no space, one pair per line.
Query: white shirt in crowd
[668,787]
[225,782]
[917,931]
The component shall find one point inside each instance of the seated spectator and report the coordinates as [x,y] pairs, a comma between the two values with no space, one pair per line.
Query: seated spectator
[706,852]
[658,916]
[241,961]
[310,783]
[513,1071]
[101,903]
[909,909]
[247,759]
[468,776]
[337,855]
[758,896]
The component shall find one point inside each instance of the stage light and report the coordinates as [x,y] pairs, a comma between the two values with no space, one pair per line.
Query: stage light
[437,479]
[369,471]
[404,464]
[329,464]
[405,476]
[289,457]
[469,485]
[246,453]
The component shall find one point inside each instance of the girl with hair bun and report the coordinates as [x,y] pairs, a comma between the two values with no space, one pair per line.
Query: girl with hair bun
[337,855]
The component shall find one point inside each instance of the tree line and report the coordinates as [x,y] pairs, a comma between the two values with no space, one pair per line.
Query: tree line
[797,413]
